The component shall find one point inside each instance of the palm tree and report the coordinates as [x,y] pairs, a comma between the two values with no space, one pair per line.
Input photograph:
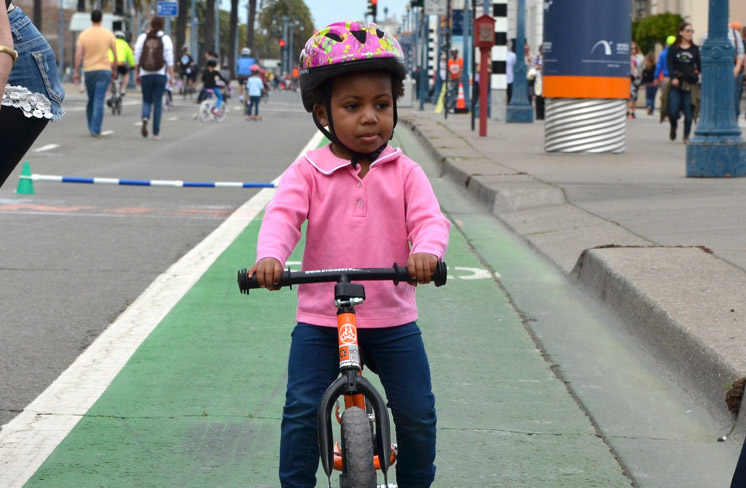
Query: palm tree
[209,26]
[270,21]
[181,22]
[232,37]
[250,26]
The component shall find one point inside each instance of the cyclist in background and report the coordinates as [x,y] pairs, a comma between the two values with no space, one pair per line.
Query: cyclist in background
[243,69]
[210,79]
[125,58]
[187,71]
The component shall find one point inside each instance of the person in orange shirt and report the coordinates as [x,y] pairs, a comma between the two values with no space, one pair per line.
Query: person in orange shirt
[455,70]
[93,52]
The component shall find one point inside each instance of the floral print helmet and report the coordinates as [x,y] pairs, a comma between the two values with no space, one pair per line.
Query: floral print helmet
[346,47]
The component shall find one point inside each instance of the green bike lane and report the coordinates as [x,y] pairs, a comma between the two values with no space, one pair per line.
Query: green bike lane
[199,402]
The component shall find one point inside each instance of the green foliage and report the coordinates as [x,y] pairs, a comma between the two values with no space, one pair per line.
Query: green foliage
[655,29]
[270,30]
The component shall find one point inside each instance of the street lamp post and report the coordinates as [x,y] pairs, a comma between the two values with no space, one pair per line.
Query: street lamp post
[717,149]
[520,109]
[285,19]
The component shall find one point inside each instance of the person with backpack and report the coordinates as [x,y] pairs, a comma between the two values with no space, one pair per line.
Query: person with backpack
[154,55]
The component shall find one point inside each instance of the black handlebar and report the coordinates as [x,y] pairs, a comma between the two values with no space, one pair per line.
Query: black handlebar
[396,274]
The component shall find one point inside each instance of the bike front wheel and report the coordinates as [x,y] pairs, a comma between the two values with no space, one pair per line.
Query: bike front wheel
[205,110]
[358,470]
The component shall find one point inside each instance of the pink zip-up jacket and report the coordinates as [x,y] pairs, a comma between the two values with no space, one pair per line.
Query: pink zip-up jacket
[372,222]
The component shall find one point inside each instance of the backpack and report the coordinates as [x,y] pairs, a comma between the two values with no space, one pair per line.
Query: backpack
[151,58]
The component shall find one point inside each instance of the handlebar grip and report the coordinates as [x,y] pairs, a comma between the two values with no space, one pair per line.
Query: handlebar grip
[245,283]
[439,277]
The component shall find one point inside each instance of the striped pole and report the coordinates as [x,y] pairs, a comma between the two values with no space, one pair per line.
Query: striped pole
[128,182]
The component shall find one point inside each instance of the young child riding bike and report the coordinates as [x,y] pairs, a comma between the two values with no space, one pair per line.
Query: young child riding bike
[210,79]
[366,205]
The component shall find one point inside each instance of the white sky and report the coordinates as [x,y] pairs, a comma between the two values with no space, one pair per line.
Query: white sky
[324,12]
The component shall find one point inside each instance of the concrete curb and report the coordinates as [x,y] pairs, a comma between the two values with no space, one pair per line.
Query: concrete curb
[692,326]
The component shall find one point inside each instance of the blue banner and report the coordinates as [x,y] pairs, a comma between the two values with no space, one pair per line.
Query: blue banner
[587,38]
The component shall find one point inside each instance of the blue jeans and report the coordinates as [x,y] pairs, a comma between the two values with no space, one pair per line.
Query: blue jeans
[678,101]
[650,91]
[398,355]
[153,87]
[36,68]
[96,84]
[253,103]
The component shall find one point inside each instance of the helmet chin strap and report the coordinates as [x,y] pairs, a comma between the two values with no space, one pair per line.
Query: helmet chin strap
[332,136]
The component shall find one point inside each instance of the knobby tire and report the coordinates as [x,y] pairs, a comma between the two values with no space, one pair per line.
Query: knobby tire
[357,450]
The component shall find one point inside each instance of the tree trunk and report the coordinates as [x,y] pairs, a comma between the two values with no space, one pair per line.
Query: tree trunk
[250,25]
[209,25]
[181,23]
[232,36]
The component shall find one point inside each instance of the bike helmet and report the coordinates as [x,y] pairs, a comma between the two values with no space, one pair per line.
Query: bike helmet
[342,48]
[245,51]
[119,34]
[212,62]
[255,68]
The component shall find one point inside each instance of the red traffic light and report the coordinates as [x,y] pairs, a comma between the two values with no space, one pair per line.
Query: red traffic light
[374,2]
[282,42]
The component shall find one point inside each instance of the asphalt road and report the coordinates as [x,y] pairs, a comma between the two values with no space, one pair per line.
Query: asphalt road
[73,256]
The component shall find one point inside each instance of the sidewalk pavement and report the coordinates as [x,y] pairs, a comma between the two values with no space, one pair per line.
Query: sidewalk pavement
[665,252]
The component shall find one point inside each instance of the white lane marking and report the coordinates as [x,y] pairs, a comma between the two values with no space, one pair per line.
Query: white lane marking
[47,147]
[171,119]
[473,273]
[107,132]
[28,439]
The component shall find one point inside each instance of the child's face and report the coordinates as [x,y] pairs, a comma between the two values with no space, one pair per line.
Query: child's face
[362,111]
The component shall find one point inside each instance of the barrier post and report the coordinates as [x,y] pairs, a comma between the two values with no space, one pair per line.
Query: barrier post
[585,79]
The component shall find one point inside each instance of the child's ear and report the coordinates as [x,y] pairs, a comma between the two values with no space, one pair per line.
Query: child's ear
[320,112]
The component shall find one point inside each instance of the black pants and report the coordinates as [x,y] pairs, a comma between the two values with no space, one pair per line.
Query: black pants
[17,134]
[739,477]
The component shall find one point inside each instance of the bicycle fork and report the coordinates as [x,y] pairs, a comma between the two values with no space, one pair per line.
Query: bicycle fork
[356,389]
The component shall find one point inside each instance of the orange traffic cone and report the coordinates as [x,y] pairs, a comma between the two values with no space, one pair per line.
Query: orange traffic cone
[461,101]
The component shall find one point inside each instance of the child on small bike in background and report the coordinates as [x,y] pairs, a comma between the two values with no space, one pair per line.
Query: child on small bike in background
[366,205]
[210,79]
[254,87]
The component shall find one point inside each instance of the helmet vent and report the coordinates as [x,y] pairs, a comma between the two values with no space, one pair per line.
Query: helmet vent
[379,33]
[360,35]
[333,37]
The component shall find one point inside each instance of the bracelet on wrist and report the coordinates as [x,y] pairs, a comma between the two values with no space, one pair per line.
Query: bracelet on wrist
[10,52]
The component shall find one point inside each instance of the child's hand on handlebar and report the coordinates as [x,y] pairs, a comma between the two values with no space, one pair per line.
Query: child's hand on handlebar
[421,266]
[268,272]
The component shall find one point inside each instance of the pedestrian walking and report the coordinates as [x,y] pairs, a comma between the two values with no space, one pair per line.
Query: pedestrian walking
[647,78]
[455,70]
[635,76]
[684,66]
[254,87]
[92,51]
[154,55]
[510,61]
[350,84]
[30,87]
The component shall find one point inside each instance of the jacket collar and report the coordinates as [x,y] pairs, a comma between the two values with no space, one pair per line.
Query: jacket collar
[324,160]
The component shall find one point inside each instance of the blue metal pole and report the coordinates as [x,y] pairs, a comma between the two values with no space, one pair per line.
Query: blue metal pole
[520,109]
[717,148]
